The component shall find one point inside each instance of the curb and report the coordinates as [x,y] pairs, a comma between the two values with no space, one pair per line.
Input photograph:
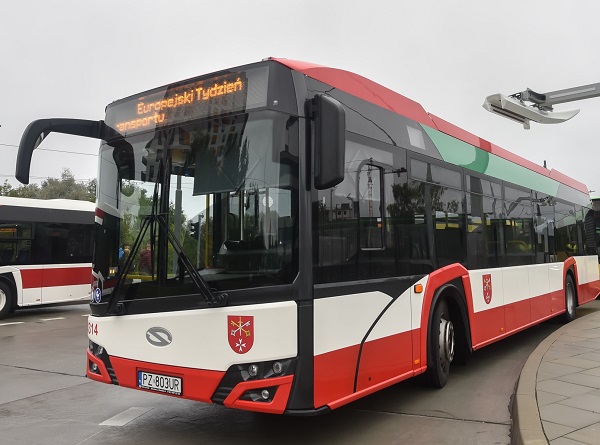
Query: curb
[527,425]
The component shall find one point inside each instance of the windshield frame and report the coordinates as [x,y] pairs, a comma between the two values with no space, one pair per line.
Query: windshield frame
[288,133]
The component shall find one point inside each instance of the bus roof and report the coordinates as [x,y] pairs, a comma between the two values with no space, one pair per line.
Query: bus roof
[58,204]
[384,97]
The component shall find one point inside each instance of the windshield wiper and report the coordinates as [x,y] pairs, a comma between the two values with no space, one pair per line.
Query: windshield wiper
[212,297]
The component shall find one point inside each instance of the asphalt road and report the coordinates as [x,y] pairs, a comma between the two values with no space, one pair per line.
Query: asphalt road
[46,399]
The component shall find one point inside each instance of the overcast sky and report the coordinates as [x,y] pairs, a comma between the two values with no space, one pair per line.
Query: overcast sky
[71,58]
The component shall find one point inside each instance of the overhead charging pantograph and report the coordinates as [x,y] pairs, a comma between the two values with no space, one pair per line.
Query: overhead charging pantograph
[540,109]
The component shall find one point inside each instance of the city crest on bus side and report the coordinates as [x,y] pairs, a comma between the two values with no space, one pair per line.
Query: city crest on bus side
[241,332]
[487,287]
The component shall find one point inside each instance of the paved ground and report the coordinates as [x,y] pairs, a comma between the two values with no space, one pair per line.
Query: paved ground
[558,397]
[46,400]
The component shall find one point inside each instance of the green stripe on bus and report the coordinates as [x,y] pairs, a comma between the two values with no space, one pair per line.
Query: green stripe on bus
[473,158]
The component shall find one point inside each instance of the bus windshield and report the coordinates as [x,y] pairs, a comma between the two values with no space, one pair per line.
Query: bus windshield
[232,197]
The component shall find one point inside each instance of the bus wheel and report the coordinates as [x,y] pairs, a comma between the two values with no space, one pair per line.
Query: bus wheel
[441,346]
[6,300]
[570,300]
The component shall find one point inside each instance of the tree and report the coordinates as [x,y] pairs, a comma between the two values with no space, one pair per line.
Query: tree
[24,191]
[66,188]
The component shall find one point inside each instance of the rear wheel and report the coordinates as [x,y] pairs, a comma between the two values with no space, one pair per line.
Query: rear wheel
[6,299]
[570,300]
[441,346]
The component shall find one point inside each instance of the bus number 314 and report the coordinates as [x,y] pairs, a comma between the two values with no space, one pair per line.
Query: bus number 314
[92,328]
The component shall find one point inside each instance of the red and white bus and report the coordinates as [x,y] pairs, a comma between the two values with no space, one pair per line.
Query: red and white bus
[343,239]
[45,251]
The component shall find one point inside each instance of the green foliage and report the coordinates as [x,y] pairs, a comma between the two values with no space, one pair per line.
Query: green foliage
[130,224]
[52,188]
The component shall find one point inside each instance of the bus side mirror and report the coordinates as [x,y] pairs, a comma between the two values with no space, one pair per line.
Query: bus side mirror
[330,141]
[38,130]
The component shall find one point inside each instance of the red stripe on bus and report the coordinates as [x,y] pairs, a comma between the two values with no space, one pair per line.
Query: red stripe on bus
[588,291]
[384,361]
[385,358]
[495,324]
[51,277]
[334,375]
[363,88]
[197,384]
[31,278]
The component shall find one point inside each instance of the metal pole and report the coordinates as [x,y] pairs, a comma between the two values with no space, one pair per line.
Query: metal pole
[206,247]
[177,219]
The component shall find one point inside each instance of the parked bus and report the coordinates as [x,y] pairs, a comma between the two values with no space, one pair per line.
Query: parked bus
[309,237]
[45,251]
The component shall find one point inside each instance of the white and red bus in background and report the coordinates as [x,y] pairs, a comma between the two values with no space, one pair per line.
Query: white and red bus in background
[45,251]
[343,239]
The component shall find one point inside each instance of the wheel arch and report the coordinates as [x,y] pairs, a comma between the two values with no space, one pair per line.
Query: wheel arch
[7,280]
[447,283]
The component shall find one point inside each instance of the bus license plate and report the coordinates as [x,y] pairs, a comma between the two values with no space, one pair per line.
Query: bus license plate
[160,383]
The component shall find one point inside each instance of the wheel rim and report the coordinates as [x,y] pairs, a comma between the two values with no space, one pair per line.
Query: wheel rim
[446,342]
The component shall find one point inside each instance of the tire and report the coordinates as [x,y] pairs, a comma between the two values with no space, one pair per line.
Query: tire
[441,346]
[570,300]
[6,300]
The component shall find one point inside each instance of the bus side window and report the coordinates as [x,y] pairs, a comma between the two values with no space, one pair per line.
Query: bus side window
[369,193]
[6,252]
[23,255]
[565,231]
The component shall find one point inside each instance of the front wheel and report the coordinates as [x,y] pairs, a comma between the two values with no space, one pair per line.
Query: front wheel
[570,300]
[6,300]
[441,346]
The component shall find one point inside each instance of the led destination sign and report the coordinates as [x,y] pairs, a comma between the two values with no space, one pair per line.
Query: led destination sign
[177,104]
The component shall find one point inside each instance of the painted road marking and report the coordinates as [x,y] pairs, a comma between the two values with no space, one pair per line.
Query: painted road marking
[126,416]
[52,319]
[14,322]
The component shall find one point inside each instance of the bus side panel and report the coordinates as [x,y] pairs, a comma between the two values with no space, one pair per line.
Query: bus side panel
[546,283]
[384,359]
[334,375]
[387,353]
[31,278]
[52,283]
[341,323]
[487,293]
[588,278]
[522,296]
[65,282]
[517,293]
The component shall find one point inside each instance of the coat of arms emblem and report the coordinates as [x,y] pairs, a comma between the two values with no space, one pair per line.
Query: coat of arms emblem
[487,287]
[240,331]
